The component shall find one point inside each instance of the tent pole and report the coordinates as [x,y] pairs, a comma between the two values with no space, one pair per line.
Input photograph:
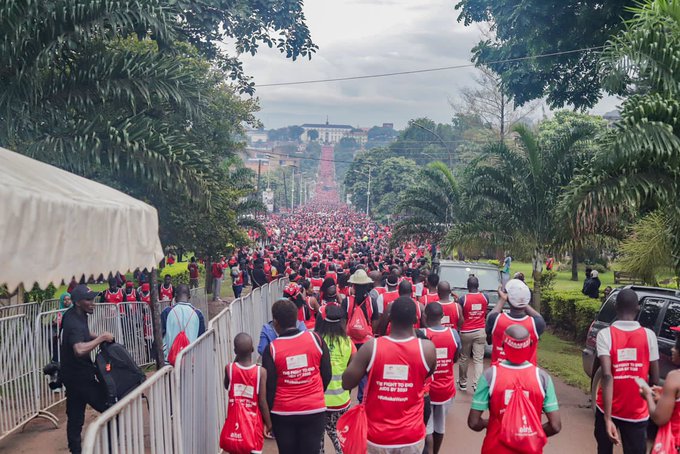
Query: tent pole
[156,318]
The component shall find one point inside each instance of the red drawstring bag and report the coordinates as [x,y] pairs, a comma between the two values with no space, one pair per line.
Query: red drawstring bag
[521,428]
[664,443]
[243,431]
[180,343]
[352,427]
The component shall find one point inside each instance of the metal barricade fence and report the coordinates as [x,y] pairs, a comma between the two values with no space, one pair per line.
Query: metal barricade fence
[136,331]
[224,353]
[49,305]
[249,312]
[46,350]
[195,382]
[141,422]
[199,299]
[30,310]
[18,402]
[106,317]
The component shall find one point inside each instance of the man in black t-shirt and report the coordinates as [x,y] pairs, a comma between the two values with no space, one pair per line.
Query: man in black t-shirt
[77,368]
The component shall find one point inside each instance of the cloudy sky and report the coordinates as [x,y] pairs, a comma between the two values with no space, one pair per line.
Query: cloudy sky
[358,37]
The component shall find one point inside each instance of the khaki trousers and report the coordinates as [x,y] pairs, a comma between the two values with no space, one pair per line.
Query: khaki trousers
[473,347]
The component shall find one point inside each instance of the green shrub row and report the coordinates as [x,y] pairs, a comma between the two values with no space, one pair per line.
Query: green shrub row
[179,272]
[569,313]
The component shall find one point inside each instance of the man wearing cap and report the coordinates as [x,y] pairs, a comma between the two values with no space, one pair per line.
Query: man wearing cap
[518,295]
[498,382]
[626,351]
[77,368]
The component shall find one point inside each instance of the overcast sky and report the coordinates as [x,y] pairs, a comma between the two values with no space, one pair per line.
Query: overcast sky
[357,37]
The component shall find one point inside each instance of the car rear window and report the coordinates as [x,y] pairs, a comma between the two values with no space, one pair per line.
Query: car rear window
[672,318]
[607,312]
[649,311]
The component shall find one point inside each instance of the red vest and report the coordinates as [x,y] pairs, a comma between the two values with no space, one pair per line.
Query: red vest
[380,290]
[396,418]
[238,280]
[451,314]
[416,325]
[443,387]
[388,297]
[316,284]
[145,298]
[113,297]
[429,298]
[675,422]
[299,389]
[474,312]
[244,386]
[333,276]
[505,377]
[244,390]
[503,322]
[131,297]
[630,358]
[165,293]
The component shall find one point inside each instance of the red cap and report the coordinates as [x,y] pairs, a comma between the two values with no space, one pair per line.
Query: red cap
[129,284]
[675,328]
[145,287]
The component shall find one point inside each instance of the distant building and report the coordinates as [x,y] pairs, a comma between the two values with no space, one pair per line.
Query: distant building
[612,117]
[256,135]
[328,133]
[388,125]
[360,135]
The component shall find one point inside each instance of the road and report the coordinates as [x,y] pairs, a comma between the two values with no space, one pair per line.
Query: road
[576,435]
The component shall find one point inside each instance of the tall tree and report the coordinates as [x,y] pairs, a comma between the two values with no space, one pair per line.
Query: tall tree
[429,207]
[639,164]
[491,104]
[520,184]
[535,27]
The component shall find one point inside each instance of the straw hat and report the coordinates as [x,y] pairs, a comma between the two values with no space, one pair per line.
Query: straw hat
[360,278]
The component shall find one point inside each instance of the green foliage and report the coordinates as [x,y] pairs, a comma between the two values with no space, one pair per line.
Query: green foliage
[179,272]
[647,250]
[494,262]
[429,206]
[537,27]
[547,280]
[36,294]
[639,166]
[570,313]
[313,134]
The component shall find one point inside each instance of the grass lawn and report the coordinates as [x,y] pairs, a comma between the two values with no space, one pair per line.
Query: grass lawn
[562,359]
[563,280]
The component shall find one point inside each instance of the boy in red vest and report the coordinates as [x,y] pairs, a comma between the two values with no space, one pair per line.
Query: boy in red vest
[495,388]
[246,383]
[625,350]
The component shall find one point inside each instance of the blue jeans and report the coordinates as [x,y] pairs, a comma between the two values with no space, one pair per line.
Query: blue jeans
[237,290]
[362,385]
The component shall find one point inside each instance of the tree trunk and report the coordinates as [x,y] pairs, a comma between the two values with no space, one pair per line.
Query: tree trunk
[537,271]
[208,275]
[156,321]
[574,265]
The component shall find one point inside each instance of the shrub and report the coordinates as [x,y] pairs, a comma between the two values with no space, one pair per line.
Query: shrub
[494,262]
[599,268]
[179,272]
[547,280]
[570,313]
[37,294]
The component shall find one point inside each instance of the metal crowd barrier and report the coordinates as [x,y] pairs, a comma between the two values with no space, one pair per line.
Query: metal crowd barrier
[199,299]
[195,401]
[141,422]
[30,310]
[196,385]
[46,350]
[18,403]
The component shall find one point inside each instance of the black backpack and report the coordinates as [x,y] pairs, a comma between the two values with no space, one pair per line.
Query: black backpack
[117,371]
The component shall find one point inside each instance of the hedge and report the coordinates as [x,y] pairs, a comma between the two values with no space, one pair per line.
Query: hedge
[179,272]
[569,313]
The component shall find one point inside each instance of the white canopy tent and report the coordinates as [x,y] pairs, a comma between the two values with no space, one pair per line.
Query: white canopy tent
[54,225]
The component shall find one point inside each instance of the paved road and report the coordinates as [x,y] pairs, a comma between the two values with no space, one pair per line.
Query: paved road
[576,435]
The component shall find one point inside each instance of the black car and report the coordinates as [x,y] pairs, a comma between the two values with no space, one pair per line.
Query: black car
[659,311]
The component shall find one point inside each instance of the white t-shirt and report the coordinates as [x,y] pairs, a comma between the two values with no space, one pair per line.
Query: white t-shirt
[604,339]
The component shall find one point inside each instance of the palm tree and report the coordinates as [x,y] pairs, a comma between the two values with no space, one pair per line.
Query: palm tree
[81,86]
[640,164]
[515,189]
[429,207]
